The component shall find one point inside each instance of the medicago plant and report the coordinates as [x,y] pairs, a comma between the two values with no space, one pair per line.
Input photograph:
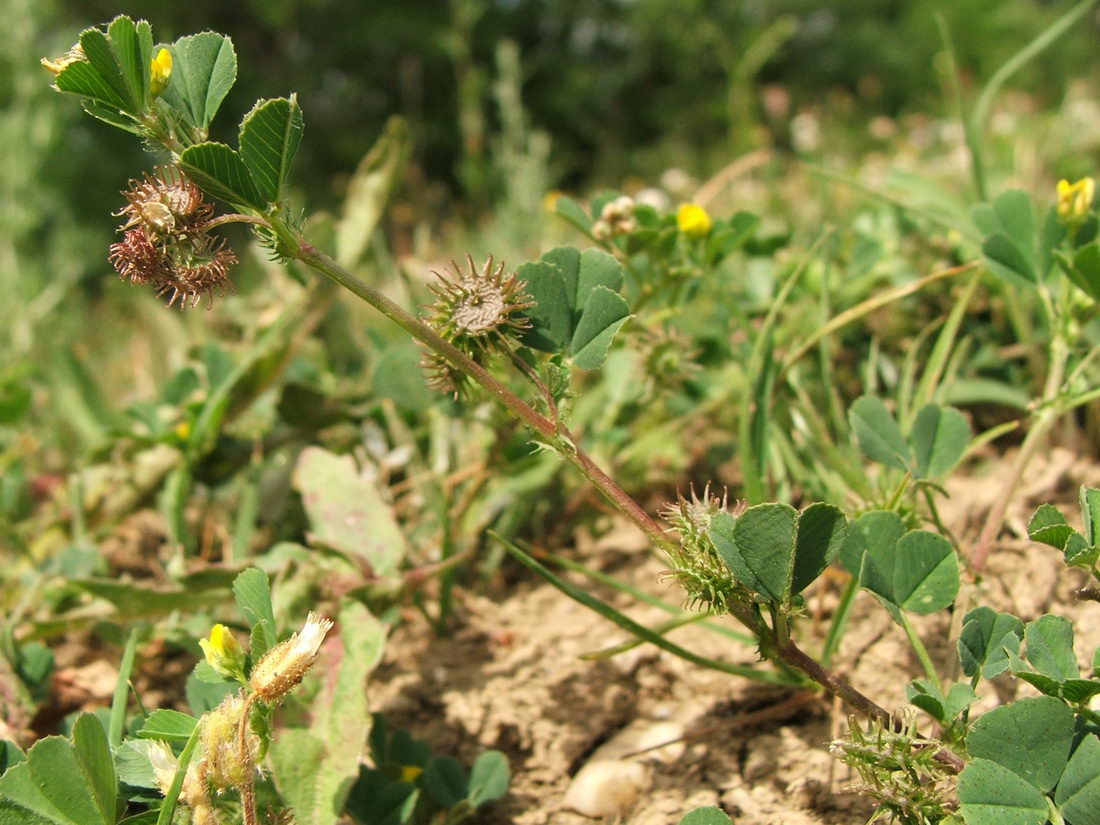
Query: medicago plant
[520,338]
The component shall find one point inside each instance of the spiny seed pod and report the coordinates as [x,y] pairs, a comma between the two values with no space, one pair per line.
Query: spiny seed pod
[283,667]
[443,376]
[696,565]
[164,199]
[476,309]
[166,241]
[226,765]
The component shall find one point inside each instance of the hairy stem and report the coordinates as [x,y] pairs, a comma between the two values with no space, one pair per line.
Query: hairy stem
[542,425]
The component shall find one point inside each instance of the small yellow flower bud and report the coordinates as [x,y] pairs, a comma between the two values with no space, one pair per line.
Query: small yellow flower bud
[283,667]
[160,70]
[693,220]
[223,652]
[550,199]
[1075,199]
[410,772]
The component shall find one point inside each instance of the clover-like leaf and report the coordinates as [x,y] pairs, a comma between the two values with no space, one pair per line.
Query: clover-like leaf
[1010,227]
[776,551]
[1031,737]
[62,782]
[1049,642]
[1078,791]
[991,794]
[705,816]
[1084,270]
[221,172]
[577,309]
[270,135]
[878,433]
[984,637]
[939,438]
[204,69]
[919,573]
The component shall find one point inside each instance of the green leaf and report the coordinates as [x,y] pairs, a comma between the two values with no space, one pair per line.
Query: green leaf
[1048,526]
[1078,792]
[776,551]
[920,573]
[133,600]
[577,310]
[10,755]
[204,69]
[445,781]
[1084,271]
[878,433]
[270,135]
[94,756]
[928,697]
[253,595]
[63,783]
[705,816]
[1049,642]
[347,511]
[222,173]
[1089,498]
[81,78]
[489,778]
[758,547]
[572,211]
[939,439]
[377,800]
[983,638]
[133,47]
[1006,260]
[880,529]
[993,795]
[169,725]
[550,317]
[1031,737]
[1078,691]
[822,531]
[1010,226]
[604,314]
[101,55]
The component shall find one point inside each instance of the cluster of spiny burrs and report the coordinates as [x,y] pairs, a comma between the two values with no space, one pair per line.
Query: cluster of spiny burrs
[695,564]
[477,311]
[166,239]
[898,769]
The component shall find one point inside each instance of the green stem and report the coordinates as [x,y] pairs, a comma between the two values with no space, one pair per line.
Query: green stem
[840,620]
[920,650]
[122,690]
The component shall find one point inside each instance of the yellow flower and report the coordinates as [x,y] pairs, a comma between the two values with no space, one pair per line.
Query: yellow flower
[224,652]
[1075,199]
[693,220]
[160,70]
[550,199]
[410,772]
